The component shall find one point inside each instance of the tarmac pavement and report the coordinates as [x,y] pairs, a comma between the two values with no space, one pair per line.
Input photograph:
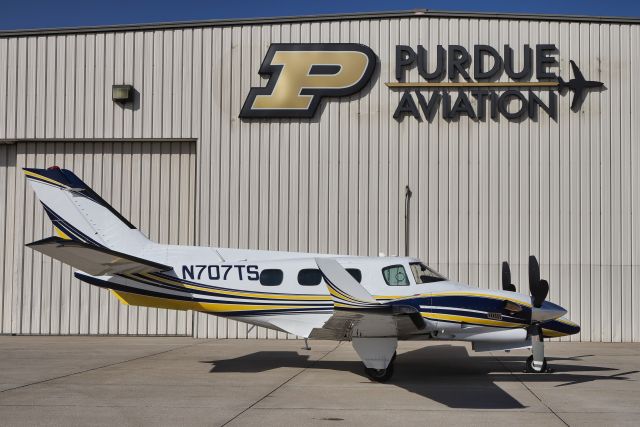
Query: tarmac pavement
[181,381]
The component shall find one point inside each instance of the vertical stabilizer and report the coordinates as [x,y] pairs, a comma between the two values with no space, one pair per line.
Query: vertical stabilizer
[79,213]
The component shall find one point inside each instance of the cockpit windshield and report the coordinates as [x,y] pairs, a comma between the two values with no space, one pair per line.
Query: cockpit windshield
[423,274]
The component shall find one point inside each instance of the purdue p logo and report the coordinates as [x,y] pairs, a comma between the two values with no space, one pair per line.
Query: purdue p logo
[300,75]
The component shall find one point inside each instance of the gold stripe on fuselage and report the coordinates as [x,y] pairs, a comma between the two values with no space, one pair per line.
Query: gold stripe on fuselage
[173,282]
[159,302]
[476,294]
[468,319]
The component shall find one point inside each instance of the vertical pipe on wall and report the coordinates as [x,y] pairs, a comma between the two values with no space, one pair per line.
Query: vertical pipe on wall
[407,200]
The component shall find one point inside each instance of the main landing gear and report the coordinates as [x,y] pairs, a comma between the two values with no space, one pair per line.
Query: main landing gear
[381,375]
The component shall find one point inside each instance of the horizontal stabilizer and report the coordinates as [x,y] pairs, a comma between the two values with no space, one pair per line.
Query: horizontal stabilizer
[97,261]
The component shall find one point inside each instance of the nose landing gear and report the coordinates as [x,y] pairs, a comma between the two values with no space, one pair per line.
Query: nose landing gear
[535,367]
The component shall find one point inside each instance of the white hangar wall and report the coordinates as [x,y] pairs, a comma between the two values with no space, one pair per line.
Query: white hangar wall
[483,191]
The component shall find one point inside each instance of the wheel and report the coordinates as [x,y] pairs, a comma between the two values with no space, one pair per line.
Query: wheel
[533,369]
[380,375]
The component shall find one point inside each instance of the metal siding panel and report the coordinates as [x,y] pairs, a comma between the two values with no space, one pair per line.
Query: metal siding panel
[79,87]
[38,116]
[626,118]
[21,89]
[4,73]
[119,51]
[616,193]
[156,124]
[129,58]
[167,70]
[31,88]
[7,163]
[143,78]
[99,82]
[635,184]
[11,82]
[89,86]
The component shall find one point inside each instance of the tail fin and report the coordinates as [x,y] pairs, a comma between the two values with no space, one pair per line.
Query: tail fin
[78,213]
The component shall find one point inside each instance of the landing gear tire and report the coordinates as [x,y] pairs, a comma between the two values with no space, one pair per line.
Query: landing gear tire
[380,375]
[532,369]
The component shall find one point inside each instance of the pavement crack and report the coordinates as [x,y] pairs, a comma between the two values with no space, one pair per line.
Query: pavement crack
[97,368]
[311,365]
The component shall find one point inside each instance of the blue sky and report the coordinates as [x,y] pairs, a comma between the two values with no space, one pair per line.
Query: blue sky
[19,14]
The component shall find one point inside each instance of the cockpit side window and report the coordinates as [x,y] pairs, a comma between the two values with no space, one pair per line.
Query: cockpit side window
[395,275]
[423,274]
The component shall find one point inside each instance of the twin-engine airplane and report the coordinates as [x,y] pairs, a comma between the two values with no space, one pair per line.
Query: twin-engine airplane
[371,301]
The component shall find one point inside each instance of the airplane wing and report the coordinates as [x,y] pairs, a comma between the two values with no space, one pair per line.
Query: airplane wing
[345,291]
[357,312]
[576,71]
[95,260]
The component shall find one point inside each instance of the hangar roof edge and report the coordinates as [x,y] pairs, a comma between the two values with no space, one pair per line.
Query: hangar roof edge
[316,18]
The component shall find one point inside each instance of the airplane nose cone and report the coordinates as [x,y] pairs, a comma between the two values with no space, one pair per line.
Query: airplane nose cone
[548,311]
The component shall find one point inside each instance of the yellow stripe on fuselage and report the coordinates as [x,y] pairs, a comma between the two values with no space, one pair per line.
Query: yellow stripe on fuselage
[477,294]
[230,292]
[468,319]
[157,302]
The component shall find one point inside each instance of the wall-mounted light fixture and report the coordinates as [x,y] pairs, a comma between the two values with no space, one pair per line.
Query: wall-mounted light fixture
[122,93]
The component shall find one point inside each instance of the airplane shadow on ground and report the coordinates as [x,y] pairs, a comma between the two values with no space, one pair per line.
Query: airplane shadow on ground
[442,373]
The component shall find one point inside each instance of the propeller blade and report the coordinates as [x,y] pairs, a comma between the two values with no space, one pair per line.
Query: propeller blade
[506,274]
[541,293]
[534,270]
[538,288]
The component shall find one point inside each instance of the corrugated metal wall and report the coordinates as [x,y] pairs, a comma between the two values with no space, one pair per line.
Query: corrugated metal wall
[150,183]
[483,192]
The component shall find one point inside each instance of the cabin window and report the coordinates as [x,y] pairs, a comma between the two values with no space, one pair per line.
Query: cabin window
[395,275]
[309,277]
[355,273]
[271,277]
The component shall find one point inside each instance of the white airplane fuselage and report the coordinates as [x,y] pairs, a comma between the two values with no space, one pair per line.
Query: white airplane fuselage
[226,282]
[371,301]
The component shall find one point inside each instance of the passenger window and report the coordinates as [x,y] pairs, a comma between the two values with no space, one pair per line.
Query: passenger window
[395,275]
[271,277]
[355,273]
[309,277]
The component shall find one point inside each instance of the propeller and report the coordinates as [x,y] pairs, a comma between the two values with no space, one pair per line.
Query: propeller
[506,278]
[539,288]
